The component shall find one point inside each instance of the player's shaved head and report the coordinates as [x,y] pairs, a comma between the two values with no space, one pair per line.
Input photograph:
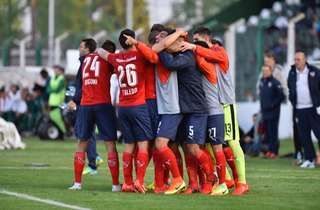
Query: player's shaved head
[109,46]
[123,39]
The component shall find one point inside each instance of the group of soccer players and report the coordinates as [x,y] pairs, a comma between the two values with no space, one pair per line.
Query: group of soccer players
[173,94]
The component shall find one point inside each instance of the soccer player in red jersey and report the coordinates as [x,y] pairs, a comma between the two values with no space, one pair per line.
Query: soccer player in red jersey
[168,108]
[96,109]
[133,112]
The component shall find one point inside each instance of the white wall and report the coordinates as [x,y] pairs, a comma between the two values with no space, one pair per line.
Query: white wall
[245,110]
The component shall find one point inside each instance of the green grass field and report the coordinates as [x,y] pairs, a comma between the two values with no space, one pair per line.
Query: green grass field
[274,184]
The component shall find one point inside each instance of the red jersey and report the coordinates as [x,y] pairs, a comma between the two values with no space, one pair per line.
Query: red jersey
[96,73]
[130,69]
[150,81]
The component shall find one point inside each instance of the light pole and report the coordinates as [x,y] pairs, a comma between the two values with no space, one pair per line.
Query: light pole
[129,12]
[50,32]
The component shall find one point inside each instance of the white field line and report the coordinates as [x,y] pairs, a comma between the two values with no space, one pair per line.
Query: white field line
[35,168]
[40,200]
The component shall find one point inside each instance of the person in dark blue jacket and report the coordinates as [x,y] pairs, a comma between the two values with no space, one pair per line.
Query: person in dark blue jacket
[271,96]
[304,95]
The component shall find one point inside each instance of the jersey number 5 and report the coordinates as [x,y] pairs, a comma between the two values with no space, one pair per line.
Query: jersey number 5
[95,66]
[130,73]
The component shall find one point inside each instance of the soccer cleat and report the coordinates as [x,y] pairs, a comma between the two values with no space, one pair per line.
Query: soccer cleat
[177,186]
[206,188]
[127,187]
[160,190]
[75,186]
[190,190]
[308,164]
[139,187]
[99,161]
[267,155]
[151,186]
[221,189]
[116,188]
[241,189]
[230,183]
[89,170]
[272,156]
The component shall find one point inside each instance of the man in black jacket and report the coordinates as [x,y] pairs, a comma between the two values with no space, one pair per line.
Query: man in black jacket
[304,95]
[271,96]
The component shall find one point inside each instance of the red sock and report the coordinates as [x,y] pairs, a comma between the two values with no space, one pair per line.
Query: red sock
[221,165]
[230,159]
[141,164]
[113,163]
[158,170]
[127,167]
[169,159]
[177,153]
[201,175]
[135,153]
[192,170]
[78,165]
[166,176]
[206,165]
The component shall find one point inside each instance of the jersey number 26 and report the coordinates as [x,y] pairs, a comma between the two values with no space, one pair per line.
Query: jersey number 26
[129,72]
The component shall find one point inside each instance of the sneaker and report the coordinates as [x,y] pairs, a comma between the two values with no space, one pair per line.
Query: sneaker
[299,160]
[116,188]
[190,190]
[89,170]
[75,186]
[99,161]
[177,186]
[241,189]
[221,189]
[127,187]
[139,187]
[230,183]
[308,164]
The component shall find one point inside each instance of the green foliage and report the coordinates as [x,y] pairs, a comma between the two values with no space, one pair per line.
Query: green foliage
[9,18]
[76,16]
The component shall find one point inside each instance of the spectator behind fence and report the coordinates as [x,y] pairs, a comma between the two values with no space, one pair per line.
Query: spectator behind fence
[271,96]
[304,94]
[252,141]
[5,103]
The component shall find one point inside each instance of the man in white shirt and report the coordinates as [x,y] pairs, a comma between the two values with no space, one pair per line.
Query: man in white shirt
[304,94]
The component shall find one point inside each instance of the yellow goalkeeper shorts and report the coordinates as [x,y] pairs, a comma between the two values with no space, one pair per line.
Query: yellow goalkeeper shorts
[231,127]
